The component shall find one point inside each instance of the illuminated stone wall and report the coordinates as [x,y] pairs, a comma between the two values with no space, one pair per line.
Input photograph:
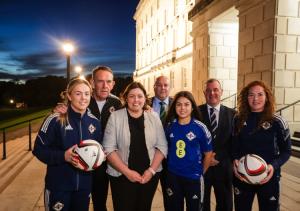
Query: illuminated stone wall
[164,43]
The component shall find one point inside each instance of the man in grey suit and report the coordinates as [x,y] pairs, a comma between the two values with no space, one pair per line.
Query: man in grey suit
[218,119]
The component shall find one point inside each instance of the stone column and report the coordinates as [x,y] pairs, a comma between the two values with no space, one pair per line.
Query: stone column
[287,59]
[256,41]
[200,66]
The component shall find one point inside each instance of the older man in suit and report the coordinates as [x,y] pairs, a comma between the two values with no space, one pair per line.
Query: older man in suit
[160,104]
[218,119]
[161,100]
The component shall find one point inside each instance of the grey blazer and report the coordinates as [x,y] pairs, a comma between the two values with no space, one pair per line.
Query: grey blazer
[117,137]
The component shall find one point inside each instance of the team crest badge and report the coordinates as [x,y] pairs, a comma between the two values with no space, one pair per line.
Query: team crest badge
[169,192]
[266,125]
[237,191]
[190,136]
[58,206]
[112,109]
[92,128]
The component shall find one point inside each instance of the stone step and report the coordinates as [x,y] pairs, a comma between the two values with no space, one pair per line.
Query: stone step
[12,145]
[23,193]
[17,158]
[15,154]
[5,167]
[296,151]
[296,134]
[13,172]
[295,141]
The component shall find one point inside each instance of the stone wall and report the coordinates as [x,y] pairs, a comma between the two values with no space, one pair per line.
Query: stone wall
[223,50]
[256,38]
[287,59]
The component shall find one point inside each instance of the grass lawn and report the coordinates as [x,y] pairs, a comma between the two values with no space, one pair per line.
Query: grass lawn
[23,115]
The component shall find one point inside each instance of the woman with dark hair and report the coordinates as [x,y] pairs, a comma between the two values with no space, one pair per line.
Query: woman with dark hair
[258,130]
[189,153]
[66,186]
[135,144]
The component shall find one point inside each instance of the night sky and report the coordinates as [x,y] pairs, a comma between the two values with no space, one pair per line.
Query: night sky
[31,31]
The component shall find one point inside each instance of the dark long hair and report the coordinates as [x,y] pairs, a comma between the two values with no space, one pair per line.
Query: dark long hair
[171,115]
[244,109]
[134,85]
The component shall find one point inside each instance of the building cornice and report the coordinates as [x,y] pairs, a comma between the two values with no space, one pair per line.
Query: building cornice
[200,6]
[167,59]
[139,9]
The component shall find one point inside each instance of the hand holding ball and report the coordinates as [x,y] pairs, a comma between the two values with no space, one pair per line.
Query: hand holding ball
[90,155]
[252,168]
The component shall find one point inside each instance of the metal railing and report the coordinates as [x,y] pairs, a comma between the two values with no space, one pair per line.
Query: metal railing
[4,129]
[285,107]
[278,111]
[231,96]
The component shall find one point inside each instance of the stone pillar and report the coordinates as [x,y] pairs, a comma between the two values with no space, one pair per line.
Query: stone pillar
[223,50]
[203,12]
[200,66]
[287,59]
[256,38]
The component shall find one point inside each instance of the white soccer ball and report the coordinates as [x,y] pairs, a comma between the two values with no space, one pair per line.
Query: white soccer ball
[253,168]
[90,155]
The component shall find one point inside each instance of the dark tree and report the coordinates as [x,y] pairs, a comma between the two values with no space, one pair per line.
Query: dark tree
[121,83]
[44,91]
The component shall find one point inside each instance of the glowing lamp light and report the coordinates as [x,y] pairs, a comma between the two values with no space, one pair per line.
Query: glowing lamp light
[68,48]
[78,69]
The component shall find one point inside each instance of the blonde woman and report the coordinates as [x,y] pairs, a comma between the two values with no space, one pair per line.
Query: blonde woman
[66,186]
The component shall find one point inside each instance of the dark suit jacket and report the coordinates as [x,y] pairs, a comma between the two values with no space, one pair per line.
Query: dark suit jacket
[222,142]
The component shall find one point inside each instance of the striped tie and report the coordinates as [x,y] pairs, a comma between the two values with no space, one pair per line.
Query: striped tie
[213,122]
[162,112]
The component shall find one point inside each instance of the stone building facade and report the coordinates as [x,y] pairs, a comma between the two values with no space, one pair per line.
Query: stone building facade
[164,43]
[236,41]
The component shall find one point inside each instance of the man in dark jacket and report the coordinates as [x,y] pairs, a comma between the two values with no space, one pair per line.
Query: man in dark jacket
[218,119]
[102,104]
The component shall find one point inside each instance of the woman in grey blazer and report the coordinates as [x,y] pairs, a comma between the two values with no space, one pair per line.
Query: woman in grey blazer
[135,143]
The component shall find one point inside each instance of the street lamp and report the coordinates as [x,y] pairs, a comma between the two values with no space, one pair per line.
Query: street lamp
[68,48]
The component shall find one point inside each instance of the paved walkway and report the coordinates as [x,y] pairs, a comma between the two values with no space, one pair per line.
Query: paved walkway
[26,191]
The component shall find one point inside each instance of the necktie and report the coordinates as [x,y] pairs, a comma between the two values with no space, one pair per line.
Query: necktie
[213,122]
[162,112]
